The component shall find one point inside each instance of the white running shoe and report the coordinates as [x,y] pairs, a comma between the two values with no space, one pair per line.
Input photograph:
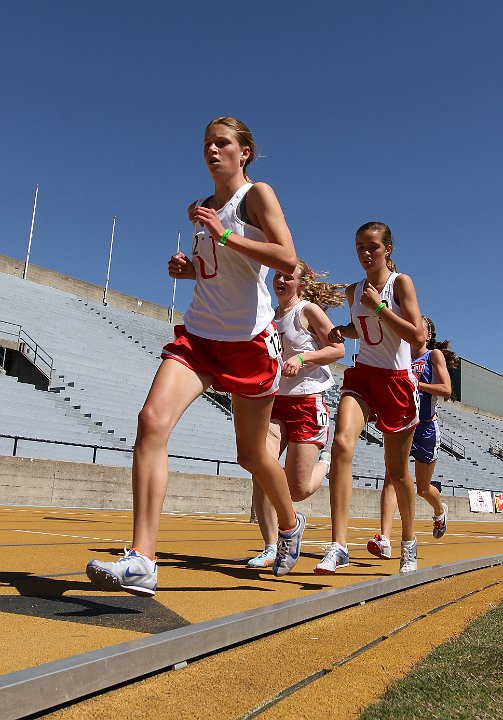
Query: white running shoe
[336,557]
[264,559]
[380,546]
[440,523]
[289,547]
[131,573]
[408,559]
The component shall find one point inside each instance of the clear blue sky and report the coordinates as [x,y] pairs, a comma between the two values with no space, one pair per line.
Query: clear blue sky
[362,110]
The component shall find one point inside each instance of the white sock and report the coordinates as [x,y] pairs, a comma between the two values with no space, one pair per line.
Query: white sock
[270,548]
[336,545]
[408,543]
[148,562]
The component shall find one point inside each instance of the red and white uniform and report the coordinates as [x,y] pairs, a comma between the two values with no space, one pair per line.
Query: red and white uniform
[228,333]
[379,345]
[296,339]
[299,404]
[231,301]
[382,375]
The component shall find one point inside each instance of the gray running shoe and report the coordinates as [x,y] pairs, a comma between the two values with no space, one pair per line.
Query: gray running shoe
[336,557]
[440,523]
[264,559]
[130,573]
[408,559]
[288,550]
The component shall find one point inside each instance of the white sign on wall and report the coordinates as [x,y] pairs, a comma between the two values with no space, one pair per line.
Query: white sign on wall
[480,501]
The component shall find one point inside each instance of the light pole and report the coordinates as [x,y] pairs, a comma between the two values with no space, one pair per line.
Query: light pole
[27,261]
[171,311]
[109,262]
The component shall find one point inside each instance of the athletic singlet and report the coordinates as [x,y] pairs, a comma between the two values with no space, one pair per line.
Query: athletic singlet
[230,301]
[423,368]
[296,339]
[379,345]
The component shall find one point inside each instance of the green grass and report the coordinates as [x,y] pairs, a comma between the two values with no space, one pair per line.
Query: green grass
[461,680]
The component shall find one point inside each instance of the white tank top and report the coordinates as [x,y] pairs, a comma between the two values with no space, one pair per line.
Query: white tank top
[296,339]
[379,345]
[230,301]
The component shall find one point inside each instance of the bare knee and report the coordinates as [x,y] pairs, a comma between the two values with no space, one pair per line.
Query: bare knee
[398,479]
[342,446]
[299,494]
[151,424]
[249,461]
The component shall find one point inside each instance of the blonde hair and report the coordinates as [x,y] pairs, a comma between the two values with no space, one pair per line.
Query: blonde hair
[323,294]
[386,238]
[243,135]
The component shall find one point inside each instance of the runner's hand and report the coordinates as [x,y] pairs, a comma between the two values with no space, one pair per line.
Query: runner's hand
[209,218]
[291,366]
[370,297]
[335,334]
[181,268]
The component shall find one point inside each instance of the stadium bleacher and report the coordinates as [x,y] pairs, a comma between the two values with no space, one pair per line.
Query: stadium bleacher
[104,360]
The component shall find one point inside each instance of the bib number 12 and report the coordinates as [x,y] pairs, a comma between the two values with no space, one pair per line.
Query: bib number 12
[273,344]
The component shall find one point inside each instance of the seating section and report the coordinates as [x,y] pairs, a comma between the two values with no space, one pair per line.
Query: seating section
[105,359]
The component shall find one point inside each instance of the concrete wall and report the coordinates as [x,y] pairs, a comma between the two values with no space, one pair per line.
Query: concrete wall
[84,289]
[478,387]
[49,483]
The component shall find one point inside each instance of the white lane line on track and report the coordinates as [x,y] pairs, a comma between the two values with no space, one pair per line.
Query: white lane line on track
[78,537]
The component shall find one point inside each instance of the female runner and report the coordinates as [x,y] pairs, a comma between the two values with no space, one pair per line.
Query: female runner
[300,418]
[385,317]
[228,341]
[430,364]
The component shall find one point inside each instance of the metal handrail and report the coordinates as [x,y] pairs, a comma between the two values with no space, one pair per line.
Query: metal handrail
[95,449]
[453,445]
[26,341]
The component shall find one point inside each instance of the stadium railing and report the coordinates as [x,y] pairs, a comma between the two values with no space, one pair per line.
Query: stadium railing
[28,347]
[95,449]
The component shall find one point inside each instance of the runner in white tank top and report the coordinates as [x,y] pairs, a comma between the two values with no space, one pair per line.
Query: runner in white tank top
[384,313]
[300,417]
[380,345]
[230,344]
[221,310]
[430,361]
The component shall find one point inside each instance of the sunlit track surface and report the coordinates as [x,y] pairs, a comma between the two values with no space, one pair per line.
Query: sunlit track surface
[52,612]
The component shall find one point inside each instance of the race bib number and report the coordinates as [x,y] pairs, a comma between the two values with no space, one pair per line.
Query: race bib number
[323,418]
[273,344]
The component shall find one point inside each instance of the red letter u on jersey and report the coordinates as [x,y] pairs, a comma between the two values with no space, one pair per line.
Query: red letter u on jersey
[363,324]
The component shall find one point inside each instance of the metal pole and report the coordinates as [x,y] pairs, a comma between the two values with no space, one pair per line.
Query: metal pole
[27,261]
[109,262]
[171,311]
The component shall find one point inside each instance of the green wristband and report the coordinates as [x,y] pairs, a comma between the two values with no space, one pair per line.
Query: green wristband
[225,237]
[379,308]
[301,359]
